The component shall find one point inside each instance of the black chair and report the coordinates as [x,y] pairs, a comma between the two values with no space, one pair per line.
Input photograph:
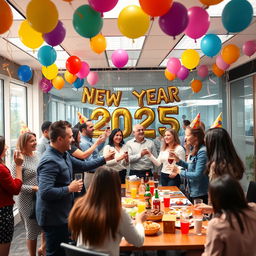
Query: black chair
[72,250]
[251,193]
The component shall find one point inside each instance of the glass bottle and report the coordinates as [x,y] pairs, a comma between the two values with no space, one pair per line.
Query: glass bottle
[142,189]
[147,197]
[156,201]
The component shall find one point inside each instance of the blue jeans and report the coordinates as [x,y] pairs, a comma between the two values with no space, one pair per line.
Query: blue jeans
[166,181]
[55,235]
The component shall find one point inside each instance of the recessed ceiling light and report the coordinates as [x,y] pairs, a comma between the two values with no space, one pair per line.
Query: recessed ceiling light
[118,42]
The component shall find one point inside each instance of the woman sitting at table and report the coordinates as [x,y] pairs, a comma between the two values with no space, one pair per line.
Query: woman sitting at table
[232,230]
[98,221]
[171,142]
[121,160]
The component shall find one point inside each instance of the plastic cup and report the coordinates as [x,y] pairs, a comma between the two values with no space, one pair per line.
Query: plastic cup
[166,195]
[198,201]
[198,222]
[133,192]
[184,226]
[152,189]
[141,207]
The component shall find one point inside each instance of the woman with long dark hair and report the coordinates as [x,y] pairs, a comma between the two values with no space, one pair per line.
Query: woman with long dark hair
[98,221]
[121,161]
[232,230]
[9,187]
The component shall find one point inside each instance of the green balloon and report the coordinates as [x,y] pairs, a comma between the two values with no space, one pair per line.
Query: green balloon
[87,22]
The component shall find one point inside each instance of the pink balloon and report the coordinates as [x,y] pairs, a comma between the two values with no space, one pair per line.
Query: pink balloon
[119,58]
[92,78]
[183,73]
[84,71]
[199,22]
[202,71]
[173,65]
[249,48]
[221,64]
[102,6]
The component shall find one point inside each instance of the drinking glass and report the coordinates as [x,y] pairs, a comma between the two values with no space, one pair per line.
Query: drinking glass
[166,195]
[198,201]
[198,222]
[141,207]
[134,192]
[156,183]
[79,176]
[184,223]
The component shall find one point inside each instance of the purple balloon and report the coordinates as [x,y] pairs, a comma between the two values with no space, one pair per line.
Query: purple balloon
[175,21]
[173,65]
[249,48]
[202,71]
[183,73]
[119,58]
[56,36]
[102,6]
[45,85]
[221,64]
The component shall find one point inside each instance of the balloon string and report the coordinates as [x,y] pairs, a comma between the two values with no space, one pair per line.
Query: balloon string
[71,5]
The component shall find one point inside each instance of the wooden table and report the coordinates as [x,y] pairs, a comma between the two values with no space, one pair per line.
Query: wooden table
[163,241]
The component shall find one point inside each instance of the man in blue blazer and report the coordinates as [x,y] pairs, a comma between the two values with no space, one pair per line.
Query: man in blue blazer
[56,187]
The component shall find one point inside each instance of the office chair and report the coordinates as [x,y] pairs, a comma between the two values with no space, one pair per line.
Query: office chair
[72,250]
[251,192]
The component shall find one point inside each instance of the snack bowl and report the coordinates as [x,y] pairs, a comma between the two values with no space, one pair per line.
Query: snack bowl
[151,228]
[129,202]
[155,215]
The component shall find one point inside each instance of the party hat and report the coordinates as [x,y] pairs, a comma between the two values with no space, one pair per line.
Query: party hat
[218,122]
[196,122]
[23,128]
[82,119]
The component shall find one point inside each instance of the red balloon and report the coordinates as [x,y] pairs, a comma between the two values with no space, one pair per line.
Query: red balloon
[156,8]
[73,64]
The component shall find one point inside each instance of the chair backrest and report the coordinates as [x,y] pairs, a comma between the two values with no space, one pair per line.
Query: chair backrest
[251,193]
[72,250]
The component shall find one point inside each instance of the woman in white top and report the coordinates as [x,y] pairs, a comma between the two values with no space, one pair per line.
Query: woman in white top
[97,220]
[121,161]
[171,143]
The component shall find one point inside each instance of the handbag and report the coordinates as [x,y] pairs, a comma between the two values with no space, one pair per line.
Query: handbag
[32,212]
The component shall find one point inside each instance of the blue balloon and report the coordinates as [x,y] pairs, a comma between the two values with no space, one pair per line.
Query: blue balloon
[25,73]
[47,55]
[210,45]
[78,83]
[237,15]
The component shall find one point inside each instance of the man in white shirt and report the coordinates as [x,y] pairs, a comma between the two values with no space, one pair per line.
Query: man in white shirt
[139,149]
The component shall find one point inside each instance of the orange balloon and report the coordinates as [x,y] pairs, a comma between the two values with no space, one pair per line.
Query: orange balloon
[156,8]
[230,53]
[58,82]
[169,76]
[217,71]
[6,16]
[98,43]
[210,2]
[196,85]
[70,78]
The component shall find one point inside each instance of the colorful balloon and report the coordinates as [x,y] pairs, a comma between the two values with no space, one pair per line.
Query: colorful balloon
[73,64]
[25,73]
[133,22]
[42,15]
[190,58]
[50,72]
[230,53]
[45,85]
[102,6]
[6,17]
[202,71]
[237,15]
[28,36]
[196,86]
[249,48]
[56,36]
[86,21]
[47,55]
[70,78]
[175,21]
[210,2]
[210,45]
[156,8]
[183,73]
[199,22]
[98,43]
[58,82]
[84,70]
[92,78]
[221,64]
[119,58]
[217,71]
[173,65]
[169,76]
[78,83]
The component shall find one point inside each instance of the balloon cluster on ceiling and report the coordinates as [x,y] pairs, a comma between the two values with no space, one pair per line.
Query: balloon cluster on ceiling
[133,22]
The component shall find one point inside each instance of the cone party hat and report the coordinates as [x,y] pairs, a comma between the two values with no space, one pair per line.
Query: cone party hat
[218,122]
[82,119]
[196,122]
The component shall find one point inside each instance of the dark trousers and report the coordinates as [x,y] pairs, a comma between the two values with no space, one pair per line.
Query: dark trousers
[166,181]
[55,235]
[122,175]
[141,174]
[205,199]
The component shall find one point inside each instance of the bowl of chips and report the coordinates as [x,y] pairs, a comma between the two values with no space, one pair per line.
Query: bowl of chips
[129,202]
[151,228]
[155,215]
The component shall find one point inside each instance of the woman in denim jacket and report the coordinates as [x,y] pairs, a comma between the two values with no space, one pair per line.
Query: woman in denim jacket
[194,169]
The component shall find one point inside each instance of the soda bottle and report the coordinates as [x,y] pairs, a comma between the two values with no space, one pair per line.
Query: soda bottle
[147,197]
[142,189]
[156,201]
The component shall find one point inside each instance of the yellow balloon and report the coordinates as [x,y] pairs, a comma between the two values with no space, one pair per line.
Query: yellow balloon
[42,15]
[133,22]
[98,43]
[50,72]
[190,58]
[70,78]
[58,82]
[30,37]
